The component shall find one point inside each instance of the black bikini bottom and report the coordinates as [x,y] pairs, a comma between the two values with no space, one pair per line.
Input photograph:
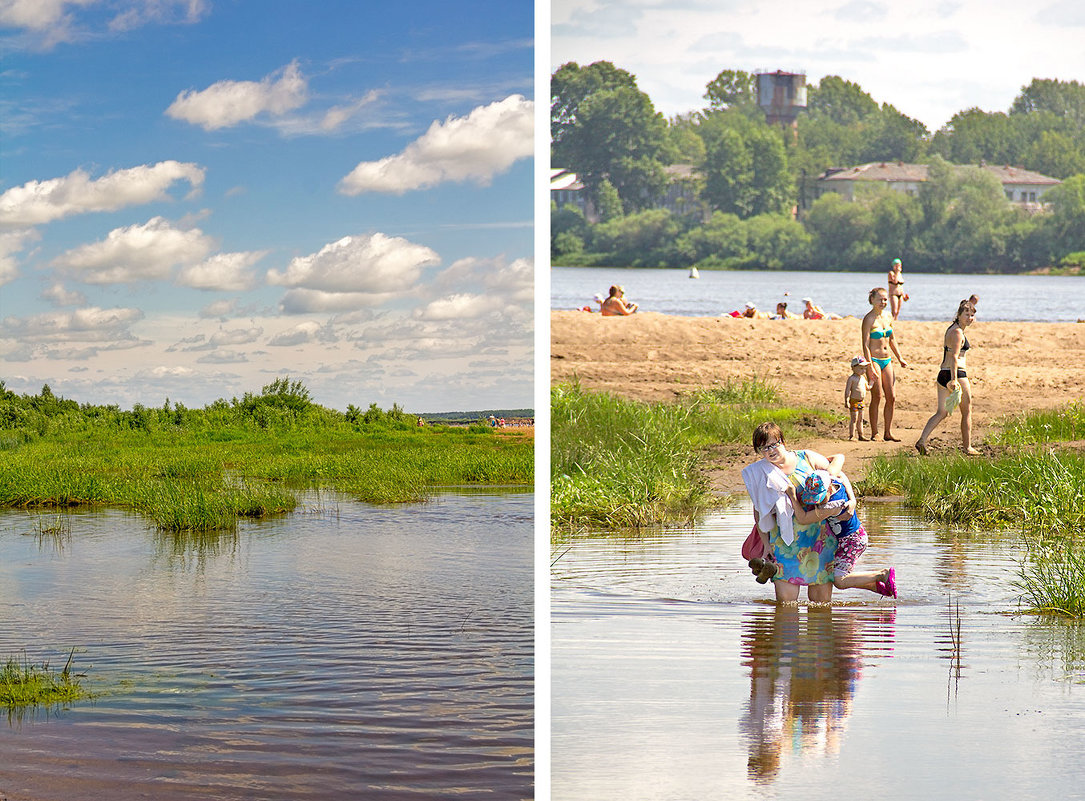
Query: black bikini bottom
[943,376]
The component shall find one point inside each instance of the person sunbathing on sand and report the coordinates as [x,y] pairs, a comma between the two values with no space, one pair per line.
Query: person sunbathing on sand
[616,305]
[783,314]
[815,312]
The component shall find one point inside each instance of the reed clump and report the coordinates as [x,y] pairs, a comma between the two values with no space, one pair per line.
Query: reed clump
[23,683]
[618,463]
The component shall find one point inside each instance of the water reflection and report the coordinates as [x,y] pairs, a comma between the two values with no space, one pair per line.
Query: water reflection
[804,665]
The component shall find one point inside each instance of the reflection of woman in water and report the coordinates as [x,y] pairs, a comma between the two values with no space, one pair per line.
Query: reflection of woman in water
[803,672]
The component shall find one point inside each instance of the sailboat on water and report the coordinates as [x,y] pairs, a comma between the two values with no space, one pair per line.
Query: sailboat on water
[693,273]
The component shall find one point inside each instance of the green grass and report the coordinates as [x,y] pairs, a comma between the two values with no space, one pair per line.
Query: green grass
[199,480]
[1031,486]
[618,464]
[1051,578]
[25,684]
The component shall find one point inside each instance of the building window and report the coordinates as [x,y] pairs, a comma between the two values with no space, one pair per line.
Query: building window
[1009,195]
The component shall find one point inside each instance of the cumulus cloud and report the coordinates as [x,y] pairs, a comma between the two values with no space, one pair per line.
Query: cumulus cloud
[12,242]
[223,357]
[40,202]
[374,265]
[59,296]
[456,307]
[238,336]
[136,253]
[228,103]
[220,308]
[473,148]
[225,272]
[302,334]
[314,301]
[92,324]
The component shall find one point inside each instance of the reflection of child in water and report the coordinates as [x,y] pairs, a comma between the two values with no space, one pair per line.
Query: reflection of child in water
[824,491]
[855,390]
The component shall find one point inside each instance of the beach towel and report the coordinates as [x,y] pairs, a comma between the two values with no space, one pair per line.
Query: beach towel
[954,399]
[767,487]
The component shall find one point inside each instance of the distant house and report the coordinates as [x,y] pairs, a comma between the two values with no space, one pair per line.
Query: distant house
[682,196]
[1022,187]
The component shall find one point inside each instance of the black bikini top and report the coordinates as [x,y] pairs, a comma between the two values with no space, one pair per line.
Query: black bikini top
[965,346]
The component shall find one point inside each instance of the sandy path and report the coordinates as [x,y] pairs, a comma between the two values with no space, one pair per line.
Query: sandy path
[653,357]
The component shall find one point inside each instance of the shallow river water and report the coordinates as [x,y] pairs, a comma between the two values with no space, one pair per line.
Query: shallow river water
[675,676]
[345,651]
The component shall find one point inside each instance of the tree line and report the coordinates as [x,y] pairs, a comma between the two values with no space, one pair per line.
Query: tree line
[756,181]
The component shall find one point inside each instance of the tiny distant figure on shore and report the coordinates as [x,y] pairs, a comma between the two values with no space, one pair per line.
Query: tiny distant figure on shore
[822,491]
[815,312]
[896,292]
[953,387]
[616,305]
[783,314]
[855,391]
[752,313]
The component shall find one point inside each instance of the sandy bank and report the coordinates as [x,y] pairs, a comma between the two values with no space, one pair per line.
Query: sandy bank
[648,356]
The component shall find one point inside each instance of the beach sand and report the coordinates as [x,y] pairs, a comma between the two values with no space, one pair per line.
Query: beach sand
[1012,367]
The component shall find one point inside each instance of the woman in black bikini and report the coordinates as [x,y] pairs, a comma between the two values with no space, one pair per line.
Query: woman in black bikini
[896,293]
[951,376]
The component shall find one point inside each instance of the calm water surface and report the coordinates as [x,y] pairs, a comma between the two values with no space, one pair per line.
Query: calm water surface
[674,676]
[347,651]
[1036,298]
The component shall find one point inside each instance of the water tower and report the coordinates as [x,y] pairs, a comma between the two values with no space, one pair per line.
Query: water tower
[781,95]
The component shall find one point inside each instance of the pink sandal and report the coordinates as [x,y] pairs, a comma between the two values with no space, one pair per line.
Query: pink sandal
[889,586]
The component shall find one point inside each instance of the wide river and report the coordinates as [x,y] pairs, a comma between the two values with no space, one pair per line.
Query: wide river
[1022,298]
[346,651]
[674,676]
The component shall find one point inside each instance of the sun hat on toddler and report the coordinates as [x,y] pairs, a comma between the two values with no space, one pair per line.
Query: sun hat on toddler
[816,489]
[857,360]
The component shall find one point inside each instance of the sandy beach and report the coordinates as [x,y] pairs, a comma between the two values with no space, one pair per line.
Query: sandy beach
[655,357]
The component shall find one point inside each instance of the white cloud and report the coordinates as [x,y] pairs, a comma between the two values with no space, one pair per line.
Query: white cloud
[225,272]
[223,357]
[473,148]
[456,307]
[59,296]
[314,301]
[92,324]
[49,17]
[11,242]
[373,263]
[163,11]
[301,334]
[137,253]
[228,103]
[40,202]
[220,308]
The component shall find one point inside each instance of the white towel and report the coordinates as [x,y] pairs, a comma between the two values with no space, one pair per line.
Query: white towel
[767,486]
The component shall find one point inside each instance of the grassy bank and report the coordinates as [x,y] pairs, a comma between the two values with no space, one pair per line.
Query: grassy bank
[1035,486]
[202,470]
[617,463]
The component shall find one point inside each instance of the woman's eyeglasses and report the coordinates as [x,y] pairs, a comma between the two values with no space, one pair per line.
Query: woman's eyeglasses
[767,449]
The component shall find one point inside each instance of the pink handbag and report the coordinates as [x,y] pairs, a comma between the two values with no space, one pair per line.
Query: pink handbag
[753,548]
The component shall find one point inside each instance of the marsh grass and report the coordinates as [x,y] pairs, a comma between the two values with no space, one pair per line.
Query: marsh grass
[1031,486]
[1051,577]
[617,463]
[199,480]
[25,684]
[1063,424]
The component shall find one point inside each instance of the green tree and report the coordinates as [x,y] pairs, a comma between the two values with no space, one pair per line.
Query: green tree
[1062,98]
[1055,154]
[1066,224]
[841,232]
[720,242]
[745,167]
[571,84]
[777,242]
[733,89]
[843,102]
[641,239]
[614,134]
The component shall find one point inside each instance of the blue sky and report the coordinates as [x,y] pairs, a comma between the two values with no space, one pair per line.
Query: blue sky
[199,196]
[928,58]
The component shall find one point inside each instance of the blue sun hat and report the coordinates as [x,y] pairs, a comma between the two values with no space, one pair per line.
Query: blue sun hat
[815,490]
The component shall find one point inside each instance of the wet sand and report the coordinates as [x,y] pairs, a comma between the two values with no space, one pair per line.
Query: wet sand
[1012,367]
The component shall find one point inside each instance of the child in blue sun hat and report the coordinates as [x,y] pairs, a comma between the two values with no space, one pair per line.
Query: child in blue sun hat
[824,491]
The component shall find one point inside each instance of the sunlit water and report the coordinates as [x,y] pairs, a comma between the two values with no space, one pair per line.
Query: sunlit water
[674,675]
[346,651]
[1036,298]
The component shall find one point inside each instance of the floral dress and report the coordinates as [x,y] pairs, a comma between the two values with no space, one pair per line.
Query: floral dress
[809,558]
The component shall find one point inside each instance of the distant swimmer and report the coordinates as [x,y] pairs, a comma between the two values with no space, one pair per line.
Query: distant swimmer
[896,282]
